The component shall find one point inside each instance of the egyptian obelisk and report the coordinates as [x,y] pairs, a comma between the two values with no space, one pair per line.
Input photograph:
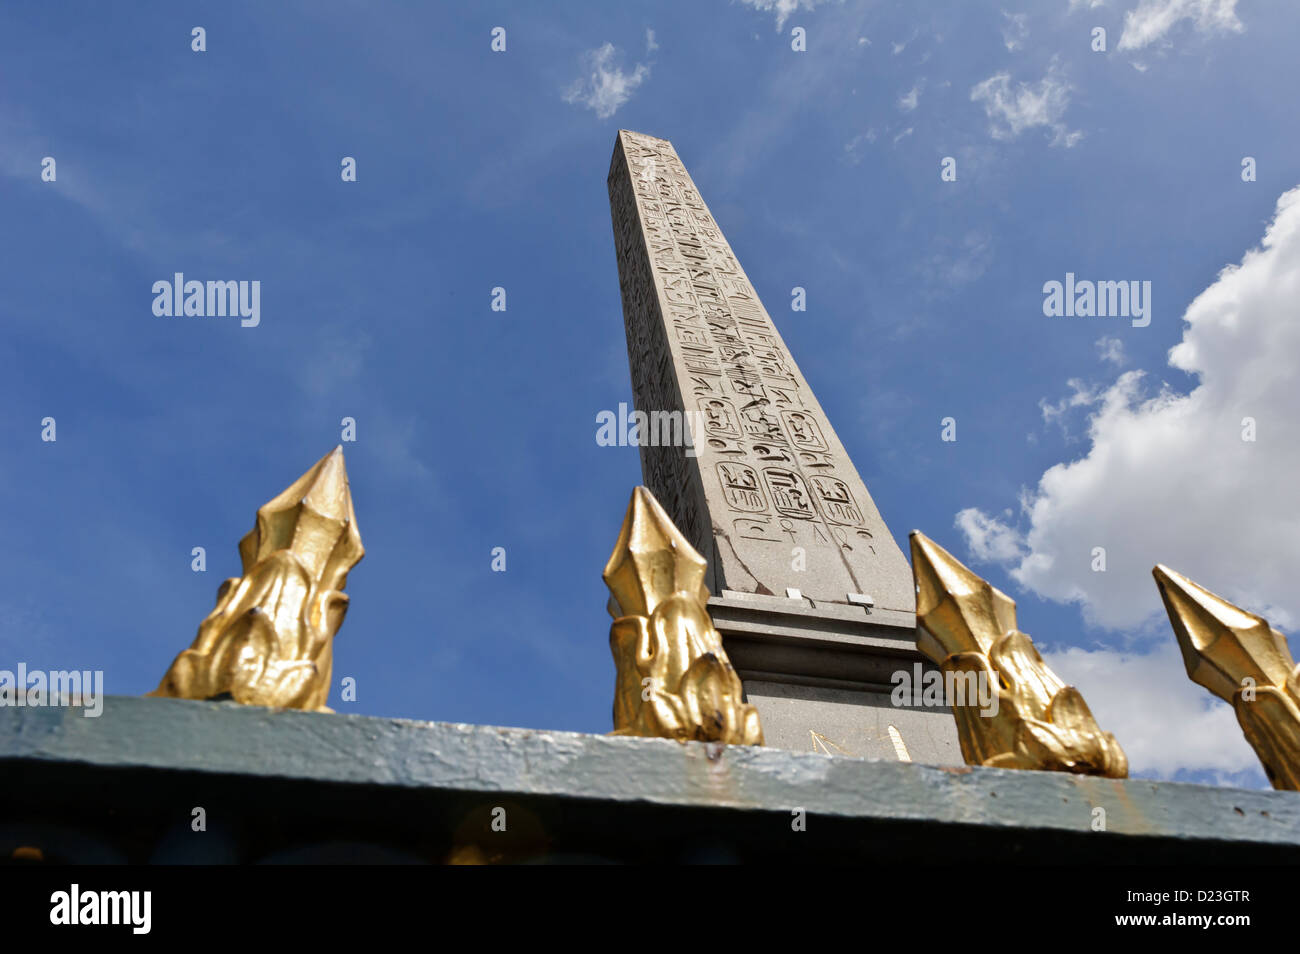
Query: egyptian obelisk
[812,595]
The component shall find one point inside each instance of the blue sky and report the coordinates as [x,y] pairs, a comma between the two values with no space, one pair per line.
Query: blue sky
[476,429]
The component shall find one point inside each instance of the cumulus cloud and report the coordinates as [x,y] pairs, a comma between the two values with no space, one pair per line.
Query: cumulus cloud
[1152,19]
[782,8]
[907,102]
[607,86]
[1012,110]
[1172,477]
[1165,723]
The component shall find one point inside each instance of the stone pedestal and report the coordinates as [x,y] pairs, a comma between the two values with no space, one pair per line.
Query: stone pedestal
[822,677]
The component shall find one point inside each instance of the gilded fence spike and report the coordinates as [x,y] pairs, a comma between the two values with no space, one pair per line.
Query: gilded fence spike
[673,677]
[269,641]
[969,628]
[1240,658]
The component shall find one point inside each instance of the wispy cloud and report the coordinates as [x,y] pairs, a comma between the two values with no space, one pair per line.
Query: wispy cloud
[787,92]
[1012,109]
[857,146]
[1151,20]
[606,86]
[1081,395]
[783,8]
[1111,350]
[1015,30]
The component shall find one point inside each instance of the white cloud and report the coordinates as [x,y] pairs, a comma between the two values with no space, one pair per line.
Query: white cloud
[990,539]
[1081,395]
[1111,350]
[606,86]
[1164,722]
[1168,477]
[1152,19]
[650,44]
[1015,31]
[782,8]
[855,147]
[1013,110]
[1086,4]
[908,101]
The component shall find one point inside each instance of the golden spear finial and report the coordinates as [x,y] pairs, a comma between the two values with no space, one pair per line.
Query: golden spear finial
[269,641]
[1244,661]
[674,679]
[969,628]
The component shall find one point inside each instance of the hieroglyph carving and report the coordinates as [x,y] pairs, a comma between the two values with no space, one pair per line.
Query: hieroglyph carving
[768,475]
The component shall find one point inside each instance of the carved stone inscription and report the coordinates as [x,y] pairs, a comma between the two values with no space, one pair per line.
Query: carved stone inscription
[769,495]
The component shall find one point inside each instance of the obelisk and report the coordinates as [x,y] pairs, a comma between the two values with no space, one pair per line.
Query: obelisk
[812,595]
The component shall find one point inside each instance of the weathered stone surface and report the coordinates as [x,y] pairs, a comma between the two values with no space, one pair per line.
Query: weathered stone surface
[847,722]
[769,486]
[289,785]
[822,678]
